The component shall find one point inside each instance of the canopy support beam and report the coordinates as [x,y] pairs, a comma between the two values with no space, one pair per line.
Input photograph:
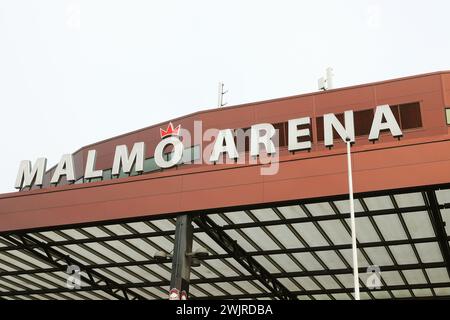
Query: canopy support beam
[241,256]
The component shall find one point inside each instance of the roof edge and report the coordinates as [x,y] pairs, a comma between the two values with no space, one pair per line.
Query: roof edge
[269,101]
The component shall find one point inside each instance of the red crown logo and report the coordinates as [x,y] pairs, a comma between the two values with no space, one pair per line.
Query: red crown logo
[170,131]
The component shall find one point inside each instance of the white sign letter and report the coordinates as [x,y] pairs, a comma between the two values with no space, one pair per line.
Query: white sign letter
[28,174]
[64,168]
[378,124]
[330,121]
[121,158]
[90,171]
[266,139]
[177,153]
[294,133]
[219,147]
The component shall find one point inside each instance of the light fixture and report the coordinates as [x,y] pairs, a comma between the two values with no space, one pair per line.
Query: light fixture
[197,256]
[161,255]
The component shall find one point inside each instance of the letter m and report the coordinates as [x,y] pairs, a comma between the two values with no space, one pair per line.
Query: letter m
[28,175]
[136,158]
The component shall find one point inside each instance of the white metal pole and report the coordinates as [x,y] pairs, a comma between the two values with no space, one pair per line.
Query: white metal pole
[220,95]
[330,75]
[352,222]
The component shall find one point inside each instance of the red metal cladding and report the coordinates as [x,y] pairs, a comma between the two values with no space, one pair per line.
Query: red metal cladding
[421,157]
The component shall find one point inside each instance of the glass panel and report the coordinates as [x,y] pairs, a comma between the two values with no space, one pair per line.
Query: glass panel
[210,243]
[84,253]
[336,231]
[321,297]
[392,278]
[380,294]
[331,259]
[105,252]
[291,212]
[264,214]
[410,115]
[286,262]
[140,227]
[150,165]
[414,276]
[429,252]
[285,236]
[442,291]
[390,227]
[52,236]
[221,267]
[289,284]
[396,113]
[445,213]
[107,174]
[196,153]
[403,254]
[409,200]
[126,250]
[210,289]
[240,240]
[310,233]
[347,253]
[363,121]
[308,261]
[191,154]
[327,282]
[238,217]
[237,265]
[346,280]
[163,224]
[143,273]
[96,232]
[443,196]
[217,220]
[365,232]
[307,283]
[117,229]
[419,224]
[379,256]
[401,293]
[320,209]
[261,238]
[162,242]
[230,288]
[282,137]
[364,296]
[247,286]
[438,275]
[344,206]
[80,181]
[379,203]
[74,234]
[16,253]
[341,296]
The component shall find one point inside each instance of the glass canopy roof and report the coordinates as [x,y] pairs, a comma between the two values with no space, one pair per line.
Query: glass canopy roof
[304,246]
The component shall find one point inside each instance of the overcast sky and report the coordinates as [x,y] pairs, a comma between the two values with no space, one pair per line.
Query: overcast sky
[75,72]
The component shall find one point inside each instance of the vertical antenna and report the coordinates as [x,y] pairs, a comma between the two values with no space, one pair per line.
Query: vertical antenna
[326,83]
[221,92]
[330,76]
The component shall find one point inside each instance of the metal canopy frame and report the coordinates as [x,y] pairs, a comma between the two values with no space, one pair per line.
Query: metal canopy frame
[291,251]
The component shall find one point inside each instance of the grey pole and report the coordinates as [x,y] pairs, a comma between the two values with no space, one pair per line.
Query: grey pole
[181,261]
[352,221]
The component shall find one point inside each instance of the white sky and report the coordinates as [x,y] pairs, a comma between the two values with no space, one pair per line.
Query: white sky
[75,72]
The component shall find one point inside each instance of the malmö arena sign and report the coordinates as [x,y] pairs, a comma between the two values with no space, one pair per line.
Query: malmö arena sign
[227,141]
